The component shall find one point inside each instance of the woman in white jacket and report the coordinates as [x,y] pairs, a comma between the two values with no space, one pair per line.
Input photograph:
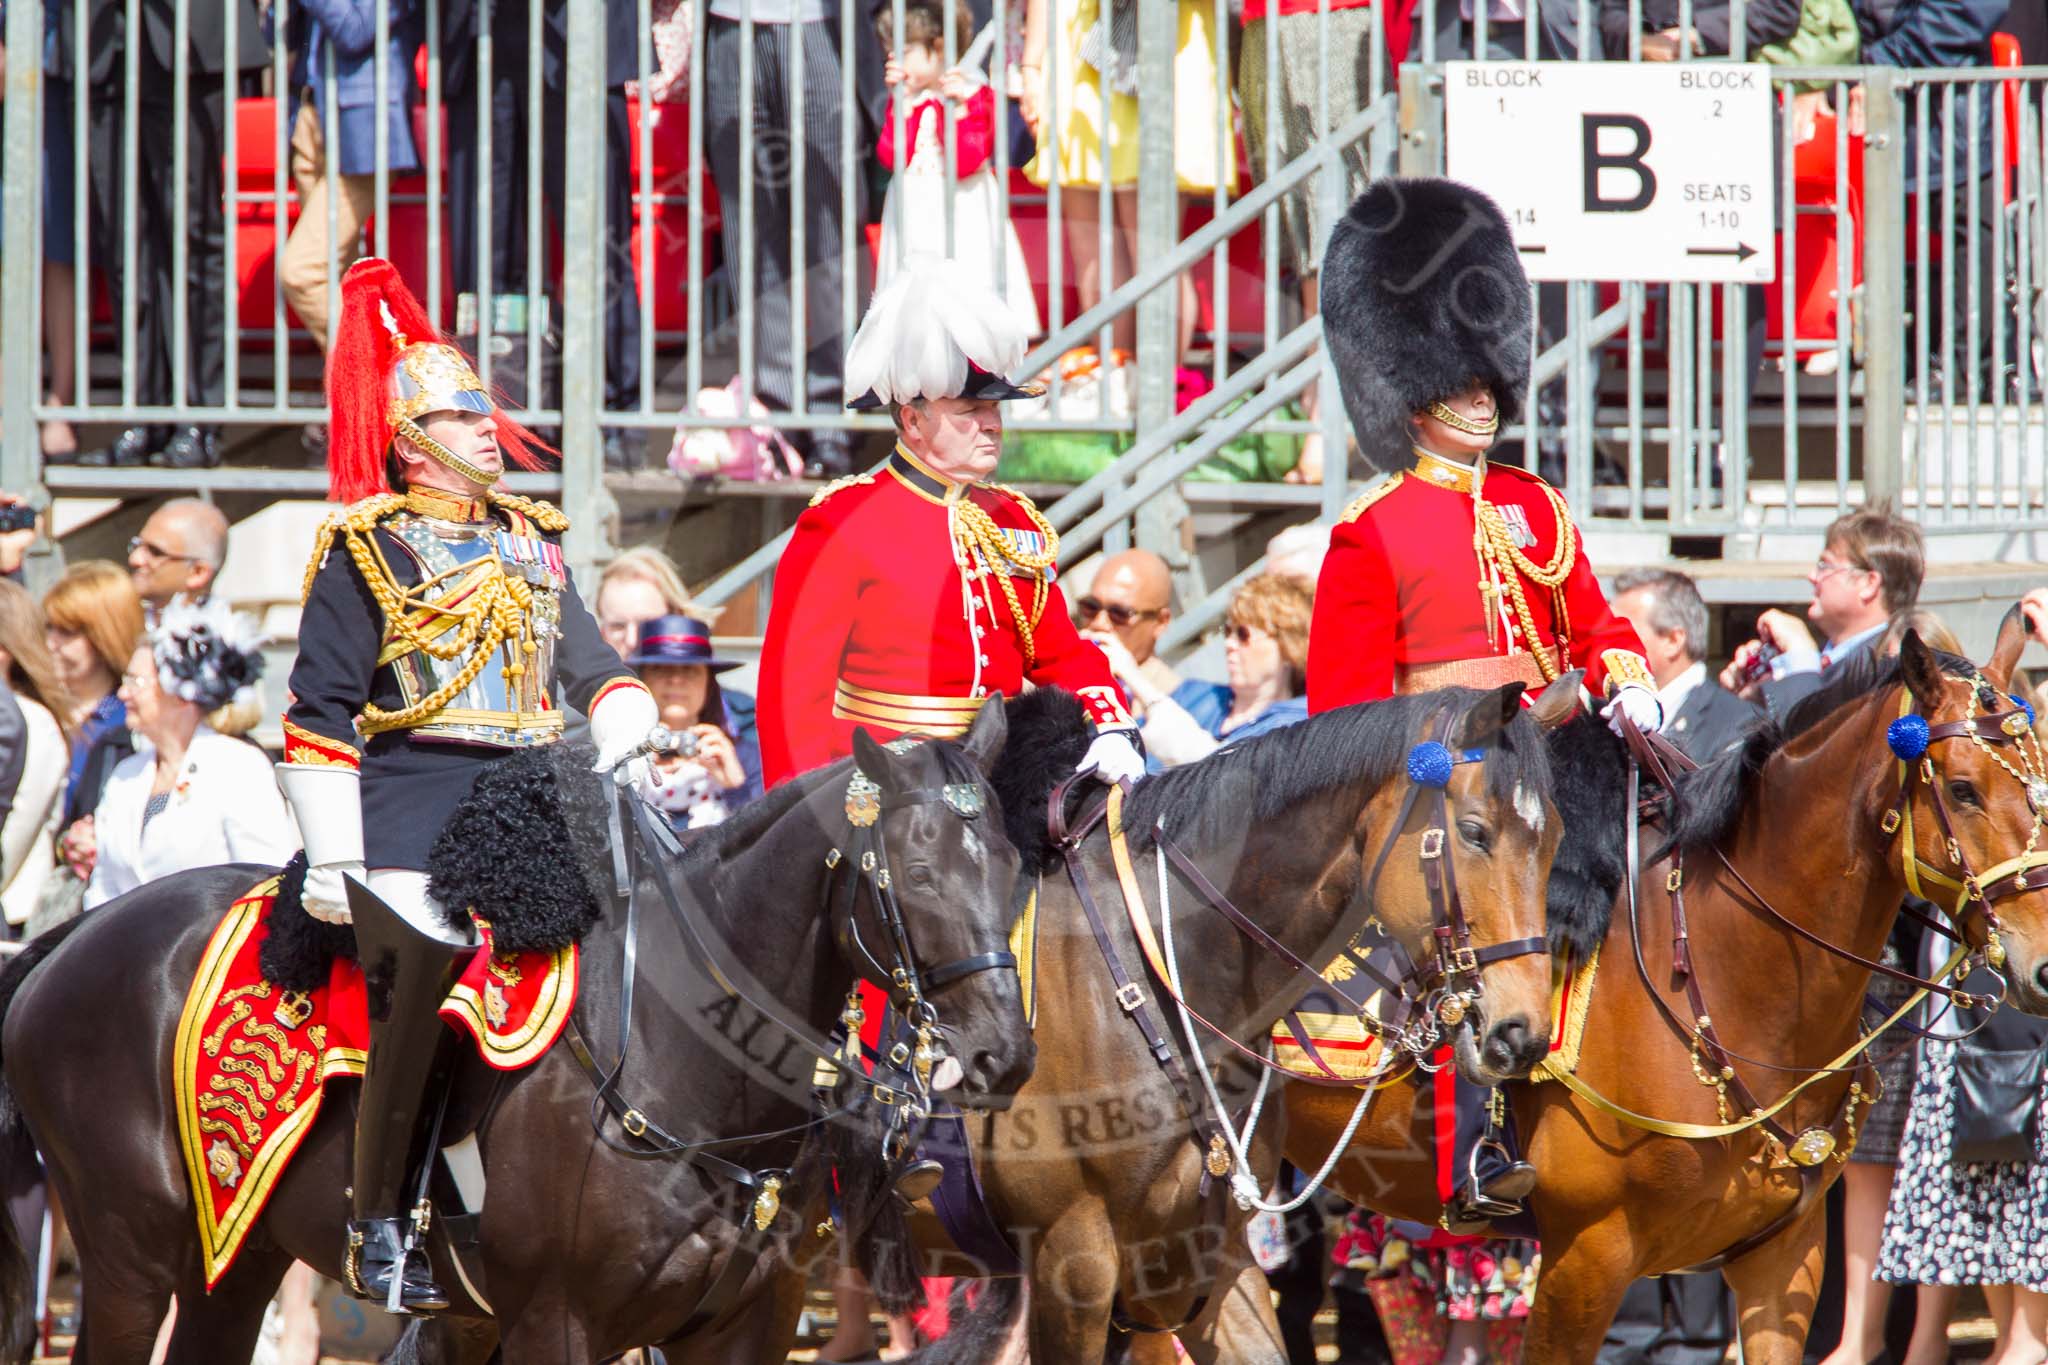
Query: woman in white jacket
[27,839]
[189,796]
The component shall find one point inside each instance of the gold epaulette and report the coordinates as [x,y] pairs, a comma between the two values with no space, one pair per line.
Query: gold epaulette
[358,518]
[1369,497]
[542,513]
[840,484]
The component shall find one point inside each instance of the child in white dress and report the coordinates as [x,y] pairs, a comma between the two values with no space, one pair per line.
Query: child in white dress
[913,145]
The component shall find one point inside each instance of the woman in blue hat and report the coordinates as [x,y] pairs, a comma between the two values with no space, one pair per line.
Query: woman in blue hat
[709,775]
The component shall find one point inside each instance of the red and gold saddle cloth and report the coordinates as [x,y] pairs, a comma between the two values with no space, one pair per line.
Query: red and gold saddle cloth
[252,1060]
[1353,1051]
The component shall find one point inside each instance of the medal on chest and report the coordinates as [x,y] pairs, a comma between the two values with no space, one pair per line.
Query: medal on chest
[1520,532]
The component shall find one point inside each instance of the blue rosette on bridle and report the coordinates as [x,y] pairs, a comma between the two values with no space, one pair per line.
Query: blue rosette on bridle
[1429,764]
[1908,737]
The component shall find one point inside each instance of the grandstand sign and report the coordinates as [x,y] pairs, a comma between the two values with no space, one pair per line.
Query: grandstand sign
[1613,171]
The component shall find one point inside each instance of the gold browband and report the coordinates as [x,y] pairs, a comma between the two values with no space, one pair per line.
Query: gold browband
[939,717]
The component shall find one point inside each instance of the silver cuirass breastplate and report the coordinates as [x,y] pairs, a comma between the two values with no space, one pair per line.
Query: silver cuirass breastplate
[508,709]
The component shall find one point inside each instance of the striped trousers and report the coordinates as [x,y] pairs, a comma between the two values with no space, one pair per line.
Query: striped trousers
[768,298]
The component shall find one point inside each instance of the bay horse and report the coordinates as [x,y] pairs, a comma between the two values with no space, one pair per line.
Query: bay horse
[1779,848]
[1096,1172]
[592,1240]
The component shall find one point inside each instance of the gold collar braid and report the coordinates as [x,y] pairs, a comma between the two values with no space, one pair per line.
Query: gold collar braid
[1000,556]
[1503,563]
[495,611]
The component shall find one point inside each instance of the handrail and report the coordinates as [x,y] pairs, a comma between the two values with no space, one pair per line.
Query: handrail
[1204,239]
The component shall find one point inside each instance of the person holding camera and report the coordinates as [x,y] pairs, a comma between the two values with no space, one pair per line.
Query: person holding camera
[707,774]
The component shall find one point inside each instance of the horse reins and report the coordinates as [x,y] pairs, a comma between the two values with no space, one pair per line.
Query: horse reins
[902,1078]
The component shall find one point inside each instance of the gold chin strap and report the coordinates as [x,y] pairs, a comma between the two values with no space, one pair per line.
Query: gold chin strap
[1458,421]
[441,454]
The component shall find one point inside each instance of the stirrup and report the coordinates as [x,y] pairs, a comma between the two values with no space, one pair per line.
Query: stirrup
[918,1179]
[380,1268]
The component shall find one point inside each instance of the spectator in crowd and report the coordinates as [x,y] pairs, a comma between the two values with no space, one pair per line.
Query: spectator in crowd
[1948,33]
[1662,40]
[1127,607]
[1265,652]
[28,836]
[1962,1212]
[1298,553]
[343,33]
[59,442]
[643,583]
[188,796]
[1080,90]
[707,776]
[637,586]
[513,61]
[820,387]
[178,553]
[2034,608]
[1286,46]
[963,219]
[1701,716]
[15,545]
[114,175]
[92,621]
[1869,570]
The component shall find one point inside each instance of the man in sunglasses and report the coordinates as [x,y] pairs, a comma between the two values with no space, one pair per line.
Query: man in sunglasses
[178,553]
[1127,608]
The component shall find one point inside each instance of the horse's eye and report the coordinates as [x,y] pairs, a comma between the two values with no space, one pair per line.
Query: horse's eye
[1475,834]
[1963,793]
[920,875]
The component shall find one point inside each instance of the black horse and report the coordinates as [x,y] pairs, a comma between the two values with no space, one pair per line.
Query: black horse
[589,1243]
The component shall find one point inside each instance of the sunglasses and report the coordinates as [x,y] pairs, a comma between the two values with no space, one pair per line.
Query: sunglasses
[1242,634]
[1119,615]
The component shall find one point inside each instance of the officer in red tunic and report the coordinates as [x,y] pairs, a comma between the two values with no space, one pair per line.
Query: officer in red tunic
[912,593]
[1455,571]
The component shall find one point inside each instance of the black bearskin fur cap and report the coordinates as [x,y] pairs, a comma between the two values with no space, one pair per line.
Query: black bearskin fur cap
[1422,295]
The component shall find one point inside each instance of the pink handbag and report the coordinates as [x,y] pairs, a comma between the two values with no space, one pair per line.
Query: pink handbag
[759,453]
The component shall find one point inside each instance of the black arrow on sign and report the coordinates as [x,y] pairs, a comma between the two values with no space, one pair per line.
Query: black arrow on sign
[1741,253]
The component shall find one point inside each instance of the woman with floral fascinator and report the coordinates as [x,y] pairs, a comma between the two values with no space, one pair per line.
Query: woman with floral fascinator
[189,796]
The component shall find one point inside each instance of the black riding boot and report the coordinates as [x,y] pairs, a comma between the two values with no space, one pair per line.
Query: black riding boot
[1492,1178]
[407,975]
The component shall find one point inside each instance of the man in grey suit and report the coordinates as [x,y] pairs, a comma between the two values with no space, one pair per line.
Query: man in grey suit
[1868,572]
[1668,613]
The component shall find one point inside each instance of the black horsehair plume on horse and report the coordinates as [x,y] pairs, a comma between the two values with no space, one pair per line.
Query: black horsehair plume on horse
[1579,770]
[1711,800]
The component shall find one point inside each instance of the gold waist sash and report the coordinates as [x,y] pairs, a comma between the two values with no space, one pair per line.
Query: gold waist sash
[940,717]
[1493,671]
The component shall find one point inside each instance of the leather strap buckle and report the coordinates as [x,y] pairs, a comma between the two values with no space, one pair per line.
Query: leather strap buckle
[1131,996]
[1461,961]
[634,1122]
[1890,823]
[1432,844]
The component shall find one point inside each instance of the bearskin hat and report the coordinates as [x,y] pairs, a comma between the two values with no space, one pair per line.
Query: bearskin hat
[1423,295]
[390,364]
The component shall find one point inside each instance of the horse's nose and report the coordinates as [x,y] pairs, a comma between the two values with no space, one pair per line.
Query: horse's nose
[1001,1072]
[1510,1046]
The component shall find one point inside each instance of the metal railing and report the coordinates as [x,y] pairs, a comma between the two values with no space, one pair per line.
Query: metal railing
[1905,328]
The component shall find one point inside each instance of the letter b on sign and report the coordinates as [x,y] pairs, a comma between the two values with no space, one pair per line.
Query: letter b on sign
[1621,164]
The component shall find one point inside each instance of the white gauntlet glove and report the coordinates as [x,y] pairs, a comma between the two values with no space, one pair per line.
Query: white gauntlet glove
[1639,704]
[327,802]
[620,723]
[1113,758]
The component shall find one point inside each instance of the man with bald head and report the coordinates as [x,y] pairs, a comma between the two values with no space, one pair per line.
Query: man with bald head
[1129,604]
[178,553]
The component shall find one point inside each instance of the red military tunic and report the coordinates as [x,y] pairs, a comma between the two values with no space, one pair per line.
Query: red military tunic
[883,618]
[1399,606]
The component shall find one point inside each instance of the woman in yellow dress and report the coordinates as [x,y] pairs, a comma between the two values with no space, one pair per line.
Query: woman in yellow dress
[1079,95]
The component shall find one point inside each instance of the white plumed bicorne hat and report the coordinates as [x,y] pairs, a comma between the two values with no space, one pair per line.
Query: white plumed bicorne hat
[935,331]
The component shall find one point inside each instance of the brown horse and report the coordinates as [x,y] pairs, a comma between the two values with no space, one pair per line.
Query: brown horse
[1800,814]
[592,1239]
[1096,1172]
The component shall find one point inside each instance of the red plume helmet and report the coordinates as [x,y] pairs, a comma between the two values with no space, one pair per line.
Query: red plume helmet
[389,362]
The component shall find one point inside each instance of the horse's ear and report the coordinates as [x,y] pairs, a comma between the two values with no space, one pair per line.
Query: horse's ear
[2005,655]
[1487,716]
[1920,669]
[1560,700]
[984,739]
[870,757]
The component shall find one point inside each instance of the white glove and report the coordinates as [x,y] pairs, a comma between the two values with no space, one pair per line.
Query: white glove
[1639,704]
[326,893]
[619,724]
[326,800]
[1113,758]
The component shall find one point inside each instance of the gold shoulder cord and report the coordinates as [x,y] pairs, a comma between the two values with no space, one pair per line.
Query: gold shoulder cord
[980,533]
[494,612]
[1496,547]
